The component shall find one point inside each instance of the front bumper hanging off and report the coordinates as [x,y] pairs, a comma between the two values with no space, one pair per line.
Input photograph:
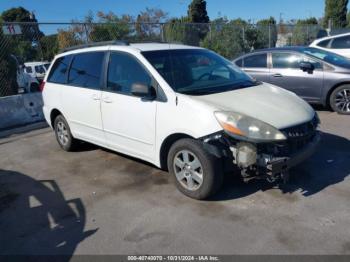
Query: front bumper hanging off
[280,165]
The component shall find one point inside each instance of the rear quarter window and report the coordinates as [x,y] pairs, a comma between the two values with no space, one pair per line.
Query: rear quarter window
[239,62]
[59,70]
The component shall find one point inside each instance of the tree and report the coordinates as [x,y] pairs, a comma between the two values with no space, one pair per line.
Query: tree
[8,69]
[226,37]
[305,31]
[178,30]
[49,46]
[148,24]
[197,13]
[267,32]
[30,32]
[335,11]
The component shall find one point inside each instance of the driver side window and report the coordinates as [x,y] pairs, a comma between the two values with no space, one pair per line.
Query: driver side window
[124,71]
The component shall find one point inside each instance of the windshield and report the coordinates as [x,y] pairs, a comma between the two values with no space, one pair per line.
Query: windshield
[328,57]
[198,71]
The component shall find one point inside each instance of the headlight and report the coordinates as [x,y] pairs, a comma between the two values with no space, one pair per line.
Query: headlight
[247,127]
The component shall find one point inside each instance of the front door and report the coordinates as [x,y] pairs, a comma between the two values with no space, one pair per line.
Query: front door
[286,73]
[128,121]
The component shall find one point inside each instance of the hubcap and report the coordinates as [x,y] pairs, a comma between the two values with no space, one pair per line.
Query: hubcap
[342,100]
[62,133]
[188,170]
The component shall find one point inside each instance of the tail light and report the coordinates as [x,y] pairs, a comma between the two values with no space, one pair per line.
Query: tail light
[41,86]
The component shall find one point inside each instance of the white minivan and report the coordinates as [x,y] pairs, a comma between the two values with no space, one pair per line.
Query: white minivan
[184,109]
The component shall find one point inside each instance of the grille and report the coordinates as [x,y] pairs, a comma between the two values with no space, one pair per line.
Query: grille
[297,137]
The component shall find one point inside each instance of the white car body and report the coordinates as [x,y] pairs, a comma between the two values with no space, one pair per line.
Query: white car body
[129,125]
[339,44]
[36,69]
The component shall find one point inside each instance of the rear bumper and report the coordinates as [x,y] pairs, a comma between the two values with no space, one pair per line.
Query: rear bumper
[282,164]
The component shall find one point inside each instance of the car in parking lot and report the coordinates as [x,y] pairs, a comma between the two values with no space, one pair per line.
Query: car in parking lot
[339,44]
[36,69]
[316,75]
[184,109]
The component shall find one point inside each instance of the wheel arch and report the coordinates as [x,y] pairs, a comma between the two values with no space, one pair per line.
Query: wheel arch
[330,91]
[166,145]
[54,113]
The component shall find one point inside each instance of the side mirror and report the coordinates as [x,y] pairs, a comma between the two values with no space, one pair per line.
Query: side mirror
[142,90]
[307,67]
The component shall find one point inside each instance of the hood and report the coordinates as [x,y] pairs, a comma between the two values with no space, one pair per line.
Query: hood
[268,103]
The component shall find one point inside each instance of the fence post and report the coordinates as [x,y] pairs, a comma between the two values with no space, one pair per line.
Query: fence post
[269,35]
[162,32]
[87,34]
[243,34]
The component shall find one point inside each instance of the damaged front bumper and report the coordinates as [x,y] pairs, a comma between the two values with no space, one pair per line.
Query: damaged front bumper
[277,167]
[270,161]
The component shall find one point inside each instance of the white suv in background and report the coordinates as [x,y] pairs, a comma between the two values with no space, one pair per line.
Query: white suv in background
[339,44]
[184,109]
[37,69]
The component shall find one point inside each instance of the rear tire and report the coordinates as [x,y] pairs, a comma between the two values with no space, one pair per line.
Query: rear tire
[197,173]
[63,134]
[339,100]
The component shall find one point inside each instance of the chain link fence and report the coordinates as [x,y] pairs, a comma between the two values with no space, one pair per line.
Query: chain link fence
[22,43]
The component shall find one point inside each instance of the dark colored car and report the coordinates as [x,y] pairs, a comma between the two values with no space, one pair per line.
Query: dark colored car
[318,76]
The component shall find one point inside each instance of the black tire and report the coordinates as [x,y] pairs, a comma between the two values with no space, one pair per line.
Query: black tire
[69,143]
[211,169]
[334,95]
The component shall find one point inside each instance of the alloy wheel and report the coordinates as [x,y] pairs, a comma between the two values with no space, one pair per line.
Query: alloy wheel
[62,133]
[342,100]
[188,170]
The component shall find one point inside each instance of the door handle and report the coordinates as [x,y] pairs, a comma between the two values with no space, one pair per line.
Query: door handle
[277,75]
[107,100]
[95,97]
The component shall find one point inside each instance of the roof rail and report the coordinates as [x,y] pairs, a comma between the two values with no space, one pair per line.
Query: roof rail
[93,44]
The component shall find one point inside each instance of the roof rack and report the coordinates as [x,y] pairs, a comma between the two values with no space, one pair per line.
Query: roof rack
[93,44]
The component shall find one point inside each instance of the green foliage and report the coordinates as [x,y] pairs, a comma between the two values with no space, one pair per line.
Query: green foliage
[8,69]
[232,38]
[267,29]
[30,32]
[336,11]
[305,31]
[197,13]
[226,38]
[49,45]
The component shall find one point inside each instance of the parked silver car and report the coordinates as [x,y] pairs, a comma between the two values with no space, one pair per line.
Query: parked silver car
[316,75]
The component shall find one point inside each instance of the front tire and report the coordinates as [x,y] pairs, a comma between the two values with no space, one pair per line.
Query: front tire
[340,100]
[63,134]
[197,173]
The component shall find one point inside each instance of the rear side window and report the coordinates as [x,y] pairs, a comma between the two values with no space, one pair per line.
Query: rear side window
[324,43]
[86,69]
[341,42]
[58,73]
[239,62]
[259,60]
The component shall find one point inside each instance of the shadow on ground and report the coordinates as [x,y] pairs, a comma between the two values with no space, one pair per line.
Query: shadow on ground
[328,166]
[36,219]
